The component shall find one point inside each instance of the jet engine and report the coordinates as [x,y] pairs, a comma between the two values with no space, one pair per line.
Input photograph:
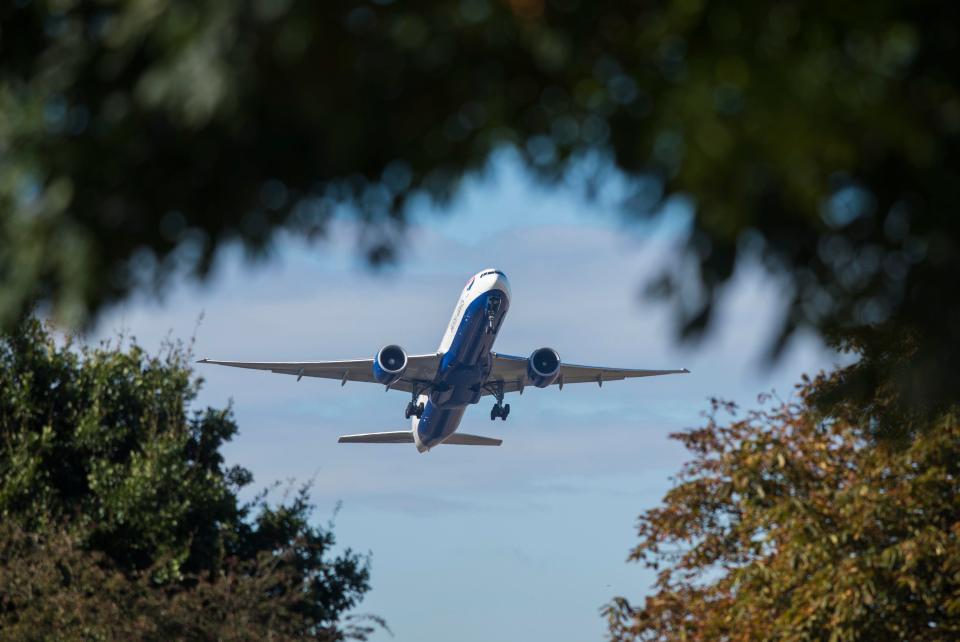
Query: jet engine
[543,367]
[389,364]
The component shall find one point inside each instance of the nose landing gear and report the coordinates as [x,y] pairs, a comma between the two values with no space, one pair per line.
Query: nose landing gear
[493,307]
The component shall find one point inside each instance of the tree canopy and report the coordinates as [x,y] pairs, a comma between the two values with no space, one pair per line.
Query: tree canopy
[823,137]
[121,520]
[137,138]
[789,524]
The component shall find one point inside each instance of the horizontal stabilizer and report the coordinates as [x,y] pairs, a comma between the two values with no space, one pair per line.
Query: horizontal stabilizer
[395,437]
[461,439]
[406,437]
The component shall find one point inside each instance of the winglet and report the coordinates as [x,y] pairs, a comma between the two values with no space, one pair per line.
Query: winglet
[684,371]
[204,360]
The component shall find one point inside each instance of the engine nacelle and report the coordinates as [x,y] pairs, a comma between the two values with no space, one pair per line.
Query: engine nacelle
[543,367]
[389,364]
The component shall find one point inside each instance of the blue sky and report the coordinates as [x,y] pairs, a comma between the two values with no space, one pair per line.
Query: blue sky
[526,541]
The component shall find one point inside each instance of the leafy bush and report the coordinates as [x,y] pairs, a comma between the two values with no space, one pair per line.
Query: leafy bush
[789,524]
[121,519]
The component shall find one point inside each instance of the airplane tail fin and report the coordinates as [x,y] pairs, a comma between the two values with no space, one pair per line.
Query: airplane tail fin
[394,437]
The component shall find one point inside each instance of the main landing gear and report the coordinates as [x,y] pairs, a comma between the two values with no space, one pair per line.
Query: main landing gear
[499,409]
[414,408]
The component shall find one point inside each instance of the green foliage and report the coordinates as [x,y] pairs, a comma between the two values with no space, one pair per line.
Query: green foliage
[791,525]
[52,588]
[137,138]
[105,466]
[130,126]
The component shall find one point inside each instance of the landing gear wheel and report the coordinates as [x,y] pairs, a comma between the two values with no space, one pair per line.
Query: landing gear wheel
[413,409]
[499,410]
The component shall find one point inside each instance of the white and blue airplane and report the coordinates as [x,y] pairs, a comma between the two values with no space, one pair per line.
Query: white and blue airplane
[458,374]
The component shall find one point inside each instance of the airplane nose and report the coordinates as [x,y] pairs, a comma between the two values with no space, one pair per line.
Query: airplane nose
[501,283]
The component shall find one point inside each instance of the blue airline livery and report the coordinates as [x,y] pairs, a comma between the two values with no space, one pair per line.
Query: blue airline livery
[464,369]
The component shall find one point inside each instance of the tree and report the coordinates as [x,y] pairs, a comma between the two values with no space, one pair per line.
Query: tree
[108,477]
[53,587]
[788,524]
[820,136]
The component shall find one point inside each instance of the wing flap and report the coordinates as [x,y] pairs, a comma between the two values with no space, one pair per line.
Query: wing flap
[394,437]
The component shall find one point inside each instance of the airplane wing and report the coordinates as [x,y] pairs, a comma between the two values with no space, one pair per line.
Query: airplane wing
[420,371]
[512,371]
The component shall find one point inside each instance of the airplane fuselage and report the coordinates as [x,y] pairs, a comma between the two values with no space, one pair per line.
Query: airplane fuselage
[466,348]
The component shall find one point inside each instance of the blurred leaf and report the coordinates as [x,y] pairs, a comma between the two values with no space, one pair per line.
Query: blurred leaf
[136,139]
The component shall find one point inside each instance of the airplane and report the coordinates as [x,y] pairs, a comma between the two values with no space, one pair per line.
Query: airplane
[462,371]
